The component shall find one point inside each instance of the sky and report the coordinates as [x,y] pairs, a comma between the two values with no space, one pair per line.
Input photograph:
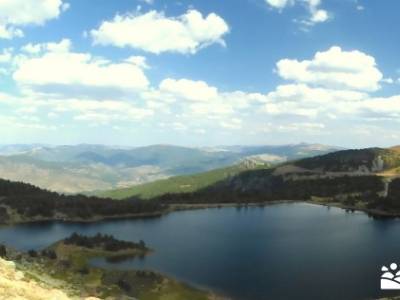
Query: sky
[200,72]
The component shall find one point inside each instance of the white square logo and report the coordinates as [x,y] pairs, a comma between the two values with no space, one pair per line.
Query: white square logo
[390,278]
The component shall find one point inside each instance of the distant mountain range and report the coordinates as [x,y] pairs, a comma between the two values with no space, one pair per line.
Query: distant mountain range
[86,168]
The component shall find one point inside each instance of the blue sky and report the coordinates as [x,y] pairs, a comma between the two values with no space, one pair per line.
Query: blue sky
[200,72]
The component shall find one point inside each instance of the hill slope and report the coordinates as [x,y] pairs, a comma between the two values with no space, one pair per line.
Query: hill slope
[20,202]
[372,161]
[352,178]
[179,184]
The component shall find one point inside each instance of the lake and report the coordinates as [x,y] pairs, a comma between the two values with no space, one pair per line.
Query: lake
[282,251]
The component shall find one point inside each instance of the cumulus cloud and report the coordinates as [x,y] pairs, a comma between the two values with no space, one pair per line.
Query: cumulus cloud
[334,85]
[184,34]
[302,93]
[198,99]
[310,102]
[279,3]
[334,68]
[197,91]
[15,14]
[382,107]
[64,71]
[64,45]
[31,48]
[317,15]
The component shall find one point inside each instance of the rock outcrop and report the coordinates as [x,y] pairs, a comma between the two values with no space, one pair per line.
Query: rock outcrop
[14,285]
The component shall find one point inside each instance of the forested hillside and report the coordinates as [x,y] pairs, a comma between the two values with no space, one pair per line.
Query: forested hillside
[23,202]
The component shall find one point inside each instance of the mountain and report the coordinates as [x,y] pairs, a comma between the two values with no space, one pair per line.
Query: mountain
[345,167]
[284,152]
[357,179]
[180,184]
[85,168]
[18,148]
[362,168]
[372,160]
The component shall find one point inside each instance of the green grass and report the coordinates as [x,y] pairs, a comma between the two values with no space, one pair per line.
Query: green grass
[177,184]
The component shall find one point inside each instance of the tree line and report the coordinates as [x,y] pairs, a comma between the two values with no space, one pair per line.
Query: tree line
[30,202]
[103,241]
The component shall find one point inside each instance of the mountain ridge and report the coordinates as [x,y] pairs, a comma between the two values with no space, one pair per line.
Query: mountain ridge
[354,162]
[88,168]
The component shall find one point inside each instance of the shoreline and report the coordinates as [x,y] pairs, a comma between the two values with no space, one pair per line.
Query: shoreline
[375,213]
[94,219]
[370,212]
[176,207]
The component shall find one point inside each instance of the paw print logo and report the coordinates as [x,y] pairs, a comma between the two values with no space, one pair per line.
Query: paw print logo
[390,278]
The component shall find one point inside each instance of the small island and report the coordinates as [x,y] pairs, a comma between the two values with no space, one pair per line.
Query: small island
[103,245]
[65,265]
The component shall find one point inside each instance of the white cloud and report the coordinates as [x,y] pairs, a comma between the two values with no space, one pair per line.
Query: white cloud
[313,101]
[6,55]
[279,3]
[31,48]
[198,99]
[386,108]
[334,68]
[156,33]
[315,96]
[211,110]
[388,80]
[139,61]
[18,13]
[62,71]
[197,91]
[64,45]
[317,15]
[334,85]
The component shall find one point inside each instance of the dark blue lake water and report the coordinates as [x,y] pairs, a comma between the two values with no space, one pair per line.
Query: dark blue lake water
[284,251]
